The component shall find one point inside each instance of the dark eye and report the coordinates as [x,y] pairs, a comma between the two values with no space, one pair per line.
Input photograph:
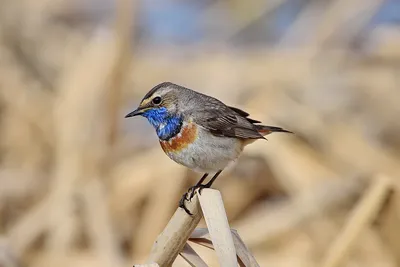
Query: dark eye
[156,100]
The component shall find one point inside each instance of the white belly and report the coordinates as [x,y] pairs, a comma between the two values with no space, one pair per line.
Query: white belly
[208,153]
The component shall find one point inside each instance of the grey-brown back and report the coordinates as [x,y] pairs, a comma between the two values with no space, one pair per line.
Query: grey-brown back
[213,115]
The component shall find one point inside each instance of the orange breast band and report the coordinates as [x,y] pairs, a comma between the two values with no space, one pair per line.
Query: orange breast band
[187,136]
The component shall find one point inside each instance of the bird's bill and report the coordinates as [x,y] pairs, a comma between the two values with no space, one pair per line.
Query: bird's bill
[136,112]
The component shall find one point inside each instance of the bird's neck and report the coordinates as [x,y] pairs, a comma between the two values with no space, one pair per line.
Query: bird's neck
[166,125]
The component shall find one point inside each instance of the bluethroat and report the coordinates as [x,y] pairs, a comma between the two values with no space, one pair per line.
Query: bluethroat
[199,131]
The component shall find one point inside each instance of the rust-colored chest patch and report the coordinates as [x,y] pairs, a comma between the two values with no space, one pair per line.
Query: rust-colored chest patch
[187,136]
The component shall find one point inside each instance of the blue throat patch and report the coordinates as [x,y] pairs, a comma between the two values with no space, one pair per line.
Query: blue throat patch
[166,125]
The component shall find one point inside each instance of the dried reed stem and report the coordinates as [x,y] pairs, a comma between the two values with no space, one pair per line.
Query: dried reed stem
[218,227]
[201,237]
[363,214]
[173,238]
[388,224]
[291,214]
[191,257]
[123,35]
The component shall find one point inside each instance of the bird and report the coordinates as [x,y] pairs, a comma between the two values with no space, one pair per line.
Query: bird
[199,131]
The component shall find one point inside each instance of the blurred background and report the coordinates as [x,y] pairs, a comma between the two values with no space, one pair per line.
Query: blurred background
[82,186]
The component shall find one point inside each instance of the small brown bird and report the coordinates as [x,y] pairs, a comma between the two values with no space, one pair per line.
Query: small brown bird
[199,131]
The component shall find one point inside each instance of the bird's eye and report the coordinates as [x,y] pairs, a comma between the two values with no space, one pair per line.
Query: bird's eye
[156,100]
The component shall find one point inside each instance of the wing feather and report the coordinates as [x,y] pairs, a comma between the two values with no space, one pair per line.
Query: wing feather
[225,121]
[244,114]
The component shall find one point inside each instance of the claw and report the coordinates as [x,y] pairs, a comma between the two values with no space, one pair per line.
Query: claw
[193,189]
[201,189]
[182,203]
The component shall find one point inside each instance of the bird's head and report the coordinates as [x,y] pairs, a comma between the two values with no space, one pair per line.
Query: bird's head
[161,107]
[160,102]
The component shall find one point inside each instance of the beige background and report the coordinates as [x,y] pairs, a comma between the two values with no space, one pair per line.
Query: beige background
[81,186]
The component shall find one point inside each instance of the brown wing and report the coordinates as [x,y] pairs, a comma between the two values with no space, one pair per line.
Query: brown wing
[222,120]
[244,114]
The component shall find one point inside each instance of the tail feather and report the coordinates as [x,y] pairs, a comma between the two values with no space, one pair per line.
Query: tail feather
[265,130]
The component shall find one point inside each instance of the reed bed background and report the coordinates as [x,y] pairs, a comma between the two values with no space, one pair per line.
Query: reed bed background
[82,186]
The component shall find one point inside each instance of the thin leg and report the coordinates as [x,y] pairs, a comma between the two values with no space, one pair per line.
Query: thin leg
[202,186]
[202,179]
[208,185]
[190,193]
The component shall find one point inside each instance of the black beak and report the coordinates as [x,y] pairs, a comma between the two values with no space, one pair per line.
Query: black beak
[134,113]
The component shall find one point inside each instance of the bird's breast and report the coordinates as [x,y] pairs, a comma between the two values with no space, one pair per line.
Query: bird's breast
[187,135]
[200,150]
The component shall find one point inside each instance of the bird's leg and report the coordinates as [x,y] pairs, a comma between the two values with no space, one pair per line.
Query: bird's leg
[199,184]
[202,186]
[193,188]
[190,193]
[208,185]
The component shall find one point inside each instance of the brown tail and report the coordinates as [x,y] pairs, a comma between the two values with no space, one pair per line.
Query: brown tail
[265,130]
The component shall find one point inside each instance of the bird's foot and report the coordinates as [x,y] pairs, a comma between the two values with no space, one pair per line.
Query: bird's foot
[185,197]
[190,194]
[192,190]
